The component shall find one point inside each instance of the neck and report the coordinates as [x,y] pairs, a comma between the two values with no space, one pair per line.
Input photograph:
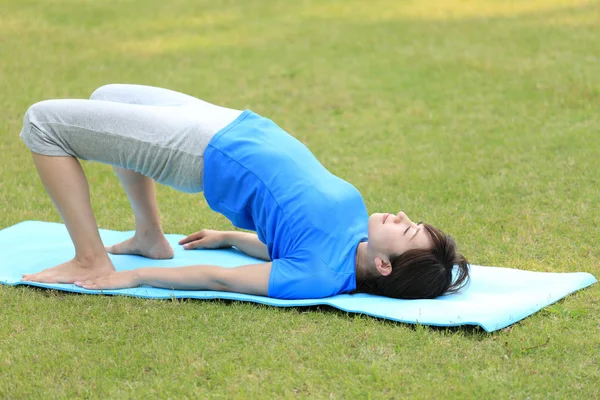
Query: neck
[363,263]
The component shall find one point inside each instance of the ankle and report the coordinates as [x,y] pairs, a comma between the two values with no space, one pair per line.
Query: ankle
[86,260]
[149,231]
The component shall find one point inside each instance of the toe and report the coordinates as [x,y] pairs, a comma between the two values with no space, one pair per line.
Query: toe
[38,279]
[117,249]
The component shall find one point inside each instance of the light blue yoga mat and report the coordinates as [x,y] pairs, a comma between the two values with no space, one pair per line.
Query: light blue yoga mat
[496,297]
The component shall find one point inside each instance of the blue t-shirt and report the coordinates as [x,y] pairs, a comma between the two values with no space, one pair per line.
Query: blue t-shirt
[263,179]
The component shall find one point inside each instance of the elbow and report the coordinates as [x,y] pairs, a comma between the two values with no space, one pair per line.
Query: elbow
[219,280]
[220,287]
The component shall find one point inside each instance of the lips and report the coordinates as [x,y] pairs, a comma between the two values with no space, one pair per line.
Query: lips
[385,217]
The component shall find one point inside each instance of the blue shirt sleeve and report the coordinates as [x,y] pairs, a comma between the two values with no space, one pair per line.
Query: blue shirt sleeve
[295,278]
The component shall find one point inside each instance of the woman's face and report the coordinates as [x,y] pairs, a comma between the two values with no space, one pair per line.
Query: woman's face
[394,234]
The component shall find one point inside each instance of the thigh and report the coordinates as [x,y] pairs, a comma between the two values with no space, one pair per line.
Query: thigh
[209,117]
[141,94]
[164,143]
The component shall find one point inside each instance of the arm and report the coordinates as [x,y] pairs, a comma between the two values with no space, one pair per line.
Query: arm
[248,243]
[208,239]
[249,279]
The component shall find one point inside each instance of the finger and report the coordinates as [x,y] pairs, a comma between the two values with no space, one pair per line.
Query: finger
[89,284]
[193,236]
[194,245]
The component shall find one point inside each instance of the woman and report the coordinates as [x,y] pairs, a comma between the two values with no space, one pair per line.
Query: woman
[311,226]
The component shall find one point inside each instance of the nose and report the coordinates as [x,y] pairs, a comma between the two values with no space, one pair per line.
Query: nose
[401,216]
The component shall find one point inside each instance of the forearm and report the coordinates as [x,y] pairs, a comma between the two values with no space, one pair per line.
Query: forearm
[197,277]
[249,279]
[248,243]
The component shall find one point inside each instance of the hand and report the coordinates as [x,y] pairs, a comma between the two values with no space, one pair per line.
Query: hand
[114,280]
[206,239]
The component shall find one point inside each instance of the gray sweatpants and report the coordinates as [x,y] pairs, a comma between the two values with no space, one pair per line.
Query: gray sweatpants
[157,132]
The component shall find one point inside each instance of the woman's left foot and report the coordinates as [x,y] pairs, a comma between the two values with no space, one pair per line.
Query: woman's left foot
[72,271]
[156,247]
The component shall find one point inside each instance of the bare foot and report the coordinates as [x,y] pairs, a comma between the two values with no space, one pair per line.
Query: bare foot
[157,247]
[72,271]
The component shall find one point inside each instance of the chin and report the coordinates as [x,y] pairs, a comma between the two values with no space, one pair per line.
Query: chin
[374,221]
[371,220]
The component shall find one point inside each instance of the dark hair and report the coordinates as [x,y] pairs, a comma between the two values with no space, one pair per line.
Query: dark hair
[423,274]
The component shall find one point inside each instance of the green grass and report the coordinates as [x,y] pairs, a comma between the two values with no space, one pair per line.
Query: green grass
[481,117]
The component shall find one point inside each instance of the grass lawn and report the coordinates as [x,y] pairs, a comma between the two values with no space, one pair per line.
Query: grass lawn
[480,117]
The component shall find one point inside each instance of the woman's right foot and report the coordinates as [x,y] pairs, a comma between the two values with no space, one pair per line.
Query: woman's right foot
[151,246]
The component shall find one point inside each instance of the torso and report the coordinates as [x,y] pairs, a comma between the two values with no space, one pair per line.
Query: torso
[263,179]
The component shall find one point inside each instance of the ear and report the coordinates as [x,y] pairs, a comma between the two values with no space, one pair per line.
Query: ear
[383,267]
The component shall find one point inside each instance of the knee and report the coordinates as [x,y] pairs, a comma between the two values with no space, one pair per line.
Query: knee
[107,92]
[34,120]
[28,134]
[43,111]
[35,114]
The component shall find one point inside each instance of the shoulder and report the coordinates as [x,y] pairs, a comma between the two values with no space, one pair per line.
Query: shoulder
[302,278]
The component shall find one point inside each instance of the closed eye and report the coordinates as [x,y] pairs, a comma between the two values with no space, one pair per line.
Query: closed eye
[418,229]
[406,230]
